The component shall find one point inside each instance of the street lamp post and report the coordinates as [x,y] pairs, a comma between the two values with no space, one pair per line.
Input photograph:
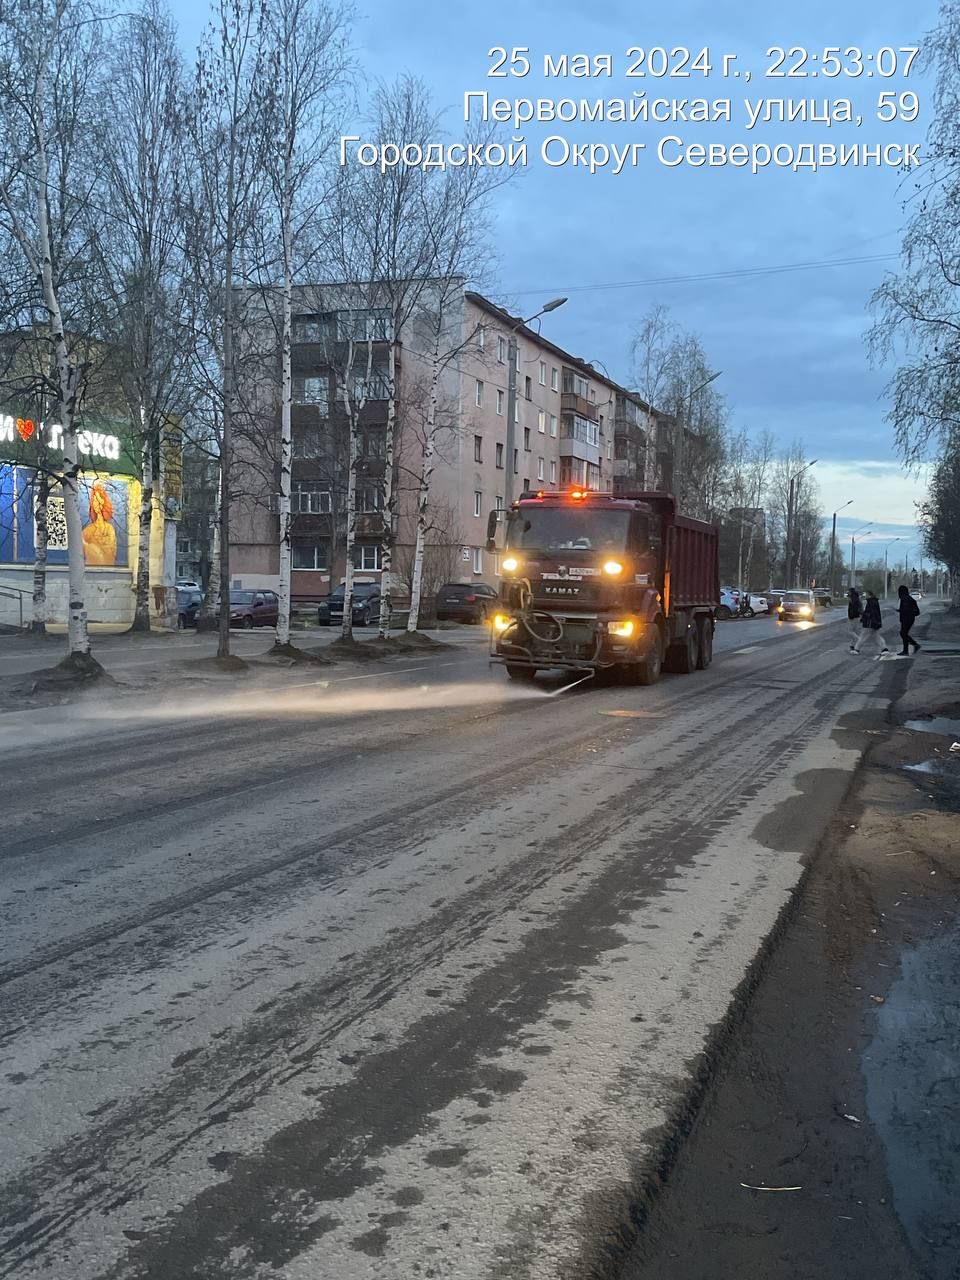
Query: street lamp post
[885,550]
[833,549]
[687,412]
[853,552]
[788,564]
[513,359]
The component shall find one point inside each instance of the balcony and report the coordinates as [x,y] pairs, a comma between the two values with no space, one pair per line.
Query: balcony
[570,402]
[572,448]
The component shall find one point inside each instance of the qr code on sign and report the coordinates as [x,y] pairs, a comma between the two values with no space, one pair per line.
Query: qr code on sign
[56,525]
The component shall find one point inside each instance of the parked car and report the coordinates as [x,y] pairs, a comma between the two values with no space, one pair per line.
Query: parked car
[773,599]
[190,583]
[365,605]
[729,605]
[756,603]
[254,609]
[823,598]
[796,606]
[189,601]
[465,602]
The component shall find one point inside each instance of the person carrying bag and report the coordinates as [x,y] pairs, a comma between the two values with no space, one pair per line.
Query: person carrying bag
[870,625]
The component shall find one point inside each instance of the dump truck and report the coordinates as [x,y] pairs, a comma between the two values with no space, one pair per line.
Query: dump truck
[593,582]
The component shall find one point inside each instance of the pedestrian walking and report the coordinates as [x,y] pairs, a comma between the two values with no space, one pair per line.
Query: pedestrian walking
[870,626]
[854,610]
[909,611]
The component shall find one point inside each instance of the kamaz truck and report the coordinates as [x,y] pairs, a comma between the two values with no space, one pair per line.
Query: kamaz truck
[620,584]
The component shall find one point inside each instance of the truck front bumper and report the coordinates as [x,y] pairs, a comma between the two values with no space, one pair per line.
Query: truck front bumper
[581,644]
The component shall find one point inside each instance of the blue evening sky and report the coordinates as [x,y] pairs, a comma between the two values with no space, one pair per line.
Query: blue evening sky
[790,345]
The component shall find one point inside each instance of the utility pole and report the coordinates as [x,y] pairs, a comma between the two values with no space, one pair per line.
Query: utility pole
[788,567]
[885,570]
[686,412]
[853,552]
[833,550]
[513,359]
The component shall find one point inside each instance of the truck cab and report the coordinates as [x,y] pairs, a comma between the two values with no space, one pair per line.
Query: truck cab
[586,584]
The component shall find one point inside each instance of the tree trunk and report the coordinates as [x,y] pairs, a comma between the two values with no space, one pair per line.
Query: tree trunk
[38,623]
[286,434]
[389,500]
[226,442]
[346,629]
[141,617]
[423,494]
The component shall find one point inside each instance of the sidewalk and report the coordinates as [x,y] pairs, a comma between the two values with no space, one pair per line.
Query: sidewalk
[827,1143]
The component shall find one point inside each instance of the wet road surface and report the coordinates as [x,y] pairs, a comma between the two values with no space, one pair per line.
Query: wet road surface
[390,975]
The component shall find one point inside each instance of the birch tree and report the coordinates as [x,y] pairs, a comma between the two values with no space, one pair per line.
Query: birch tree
[49,177]
[226,127]
[139,253]
[310,64]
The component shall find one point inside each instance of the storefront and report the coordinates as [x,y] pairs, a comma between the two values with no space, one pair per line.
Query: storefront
[110,496]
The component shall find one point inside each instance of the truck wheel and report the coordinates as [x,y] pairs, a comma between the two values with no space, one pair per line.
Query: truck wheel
[705,636]
[525,675]
[685,657]
[648,671]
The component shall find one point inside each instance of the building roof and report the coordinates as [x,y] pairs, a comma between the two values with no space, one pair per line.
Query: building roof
[575,362]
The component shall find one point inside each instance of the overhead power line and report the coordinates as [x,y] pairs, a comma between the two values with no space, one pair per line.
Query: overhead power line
[738,273]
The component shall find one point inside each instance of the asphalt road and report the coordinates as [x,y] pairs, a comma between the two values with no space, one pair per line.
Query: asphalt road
[390,975]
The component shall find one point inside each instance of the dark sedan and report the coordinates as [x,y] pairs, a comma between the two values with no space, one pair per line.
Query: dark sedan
[254,609]
[365,605]
[465,602]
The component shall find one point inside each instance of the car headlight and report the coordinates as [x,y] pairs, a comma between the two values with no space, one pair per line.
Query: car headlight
[501,621]
[804,608]
[613,567]
[511,564]
[624,628]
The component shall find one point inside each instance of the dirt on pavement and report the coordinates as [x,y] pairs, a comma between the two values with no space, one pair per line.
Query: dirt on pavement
[838,1091]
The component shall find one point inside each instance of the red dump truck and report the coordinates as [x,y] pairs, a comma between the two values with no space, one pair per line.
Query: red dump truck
[597,582]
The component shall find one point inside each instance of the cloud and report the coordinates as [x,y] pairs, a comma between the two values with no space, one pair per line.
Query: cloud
[882,492]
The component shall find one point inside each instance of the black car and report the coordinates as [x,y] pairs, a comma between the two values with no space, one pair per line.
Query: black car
[189,600]
[465,602]
[365,605]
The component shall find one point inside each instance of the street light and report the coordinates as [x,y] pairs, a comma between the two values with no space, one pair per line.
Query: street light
[853,551]
[885,550]
[688,413]
[513,357]
[833,548]
[787,566]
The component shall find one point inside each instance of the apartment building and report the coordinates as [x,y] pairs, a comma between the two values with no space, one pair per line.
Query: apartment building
[568,421]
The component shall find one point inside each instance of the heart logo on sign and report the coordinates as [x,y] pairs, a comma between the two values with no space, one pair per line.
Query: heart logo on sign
[25,428]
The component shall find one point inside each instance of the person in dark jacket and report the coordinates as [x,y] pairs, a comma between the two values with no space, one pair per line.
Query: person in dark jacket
[854,610]
[870,625]
[909,611]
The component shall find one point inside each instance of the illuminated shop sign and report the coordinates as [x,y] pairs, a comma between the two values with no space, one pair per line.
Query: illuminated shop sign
[90,444]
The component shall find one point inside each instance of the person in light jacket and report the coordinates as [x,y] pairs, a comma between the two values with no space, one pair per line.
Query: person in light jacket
[870,625]
[909,611]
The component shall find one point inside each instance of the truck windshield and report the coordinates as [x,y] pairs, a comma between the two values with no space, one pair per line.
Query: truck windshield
[568,529]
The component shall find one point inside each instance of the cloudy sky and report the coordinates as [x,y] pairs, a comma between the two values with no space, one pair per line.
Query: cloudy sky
[790,344]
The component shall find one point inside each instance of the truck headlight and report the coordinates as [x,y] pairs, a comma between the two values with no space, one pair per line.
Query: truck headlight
[613,567]
[511,564]
[624,628]
[501,621]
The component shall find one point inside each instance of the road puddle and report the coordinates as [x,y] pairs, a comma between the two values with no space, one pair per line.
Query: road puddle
[912,1074]
[945,728]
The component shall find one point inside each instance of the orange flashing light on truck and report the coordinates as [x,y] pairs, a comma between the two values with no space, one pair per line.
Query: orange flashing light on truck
[599,582]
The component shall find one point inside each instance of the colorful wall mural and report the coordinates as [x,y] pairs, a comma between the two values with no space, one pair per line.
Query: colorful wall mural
[109,509]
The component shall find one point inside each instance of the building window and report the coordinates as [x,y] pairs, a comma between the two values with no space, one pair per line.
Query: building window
[526,484]
[516,411]
[373,444]
[310,556]
[502,350]
[543,373]
[516,462]
[307,500]
[577,385]
[573,471]
[478,560]
[482,337]
[376,387]
[499,458]
[554,379]
[516,357]
[368,556]
[553,472]
[553,425]
[364,326]
[500,403]
[312,391]
[477,502]
[526,439]
[478,448]
[479,394]
[499,506]
[369,498]
[528,388]
[541,422]
[539,468]
[307,442]
[582,429]
[315,329]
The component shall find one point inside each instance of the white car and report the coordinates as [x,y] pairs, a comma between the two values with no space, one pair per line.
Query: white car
[757,604]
